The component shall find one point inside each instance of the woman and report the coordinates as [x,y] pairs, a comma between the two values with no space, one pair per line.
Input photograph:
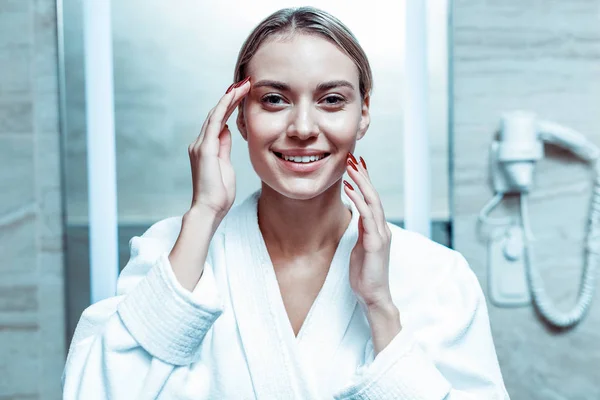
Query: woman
[303,291]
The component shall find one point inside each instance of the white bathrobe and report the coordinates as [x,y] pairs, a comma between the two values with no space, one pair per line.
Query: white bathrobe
[231,338]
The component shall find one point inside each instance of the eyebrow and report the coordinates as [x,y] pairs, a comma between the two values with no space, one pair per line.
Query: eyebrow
[321,87]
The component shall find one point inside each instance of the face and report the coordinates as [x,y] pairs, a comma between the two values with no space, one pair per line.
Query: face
[304,105]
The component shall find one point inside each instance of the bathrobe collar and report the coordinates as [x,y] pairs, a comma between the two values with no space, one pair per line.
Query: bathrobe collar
[281,365]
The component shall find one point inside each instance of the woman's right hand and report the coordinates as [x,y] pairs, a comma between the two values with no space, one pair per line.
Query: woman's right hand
[213,177]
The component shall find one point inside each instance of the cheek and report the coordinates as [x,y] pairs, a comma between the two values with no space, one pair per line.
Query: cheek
[264,126]
[341,122]
[341,125]
[263,129]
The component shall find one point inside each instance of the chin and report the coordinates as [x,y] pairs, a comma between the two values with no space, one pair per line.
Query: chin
[298,189]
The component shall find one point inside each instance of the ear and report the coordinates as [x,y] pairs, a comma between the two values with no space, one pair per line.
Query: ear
[365,118]
[241,122]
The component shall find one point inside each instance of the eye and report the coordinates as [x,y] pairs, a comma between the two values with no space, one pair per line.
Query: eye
[333,100]
[272,99]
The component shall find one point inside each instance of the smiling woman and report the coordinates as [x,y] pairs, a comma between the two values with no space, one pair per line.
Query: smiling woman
[303,291]
[307,88]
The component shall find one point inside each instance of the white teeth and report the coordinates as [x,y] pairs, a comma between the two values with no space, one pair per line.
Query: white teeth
[303,159]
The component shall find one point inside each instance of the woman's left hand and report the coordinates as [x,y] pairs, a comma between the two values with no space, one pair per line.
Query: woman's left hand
[369,261]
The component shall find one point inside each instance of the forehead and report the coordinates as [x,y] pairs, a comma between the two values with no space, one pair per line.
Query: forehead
[302,58]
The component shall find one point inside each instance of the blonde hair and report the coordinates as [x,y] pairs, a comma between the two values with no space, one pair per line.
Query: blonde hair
[307,20]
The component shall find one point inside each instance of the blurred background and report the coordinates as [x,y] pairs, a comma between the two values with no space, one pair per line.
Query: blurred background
[171,63]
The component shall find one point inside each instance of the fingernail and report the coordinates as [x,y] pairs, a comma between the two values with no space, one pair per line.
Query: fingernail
[350,163]
[352,158]
[349,186]
[240,83]
[364,164]
[230,88]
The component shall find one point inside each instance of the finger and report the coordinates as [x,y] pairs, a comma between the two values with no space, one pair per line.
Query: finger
[360,163]
[225,144]
[363,165]
[244,90]
[224,108]
[230,100]
[369,193]
[234,96]
[368,220]
[361,229]
[200,136]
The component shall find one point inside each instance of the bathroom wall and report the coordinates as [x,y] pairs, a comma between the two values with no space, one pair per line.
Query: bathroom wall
[542,56]
[32,324]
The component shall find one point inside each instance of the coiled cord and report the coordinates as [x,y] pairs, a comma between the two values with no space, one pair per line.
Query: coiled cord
[540,298]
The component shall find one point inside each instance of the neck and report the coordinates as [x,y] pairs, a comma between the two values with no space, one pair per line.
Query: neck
[296,227]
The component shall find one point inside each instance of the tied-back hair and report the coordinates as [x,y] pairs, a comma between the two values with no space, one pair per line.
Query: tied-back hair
[306,20]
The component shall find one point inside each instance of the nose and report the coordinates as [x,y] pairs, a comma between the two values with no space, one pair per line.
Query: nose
[303,124]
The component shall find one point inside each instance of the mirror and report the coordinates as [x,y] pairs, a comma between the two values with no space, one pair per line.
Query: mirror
[173,62]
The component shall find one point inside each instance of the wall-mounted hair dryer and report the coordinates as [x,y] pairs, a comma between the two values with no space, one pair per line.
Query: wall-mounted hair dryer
[513,280]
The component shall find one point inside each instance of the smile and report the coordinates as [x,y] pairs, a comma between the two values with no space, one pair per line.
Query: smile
[302,159]
[302,164]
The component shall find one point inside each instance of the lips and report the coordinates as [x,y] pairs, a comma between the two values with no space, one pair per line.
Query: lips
[301,158]
[302,167]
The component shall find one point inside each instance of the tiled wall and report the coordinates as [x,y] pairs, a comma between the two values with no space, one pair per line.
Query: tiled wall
[542,56]
[32,330]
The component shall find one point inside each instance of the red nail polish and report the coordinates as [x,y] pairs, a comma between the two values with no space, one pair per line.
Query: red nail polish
[364,164]
[349,186]
[240,83]
[350,156]
[230,88]
[350,163]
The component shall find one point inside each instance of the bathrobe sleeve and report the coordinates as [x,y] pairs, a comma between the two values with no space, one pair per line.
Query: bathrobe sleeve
[444,351]
[125,347]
